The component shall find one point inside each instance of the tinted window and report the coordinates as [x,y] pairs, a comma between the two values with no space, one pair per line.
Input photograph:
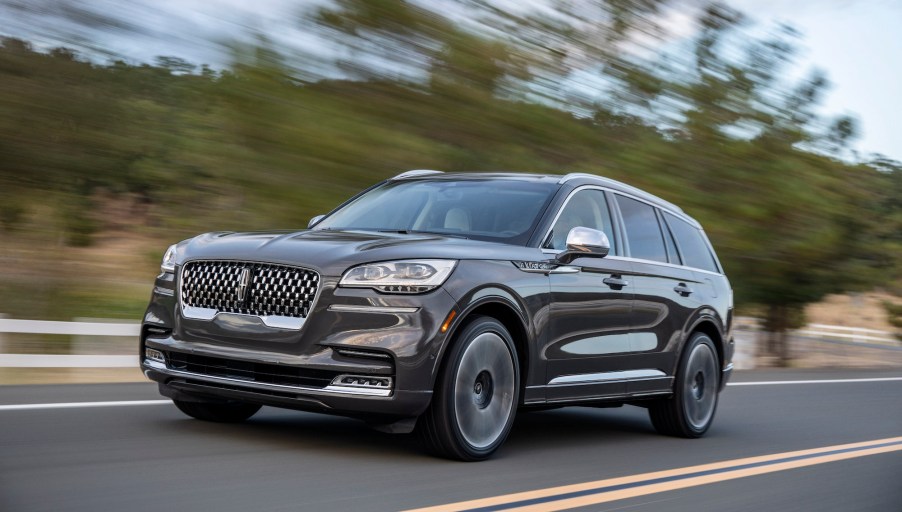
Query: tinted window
[692,243]
[643,234]
[492,210]
[587,208]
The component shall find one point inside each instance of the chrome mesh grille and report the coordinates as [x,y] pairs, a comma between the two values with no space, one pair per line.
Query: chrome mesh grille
[249,288]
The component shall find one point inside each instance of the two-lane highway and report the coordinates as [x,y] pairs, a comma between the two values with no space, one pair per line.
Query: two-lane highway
[782,440]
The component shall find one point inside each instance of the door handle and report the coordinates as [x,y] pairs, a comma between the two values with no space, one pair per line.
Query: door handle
[615,282]
[682,289]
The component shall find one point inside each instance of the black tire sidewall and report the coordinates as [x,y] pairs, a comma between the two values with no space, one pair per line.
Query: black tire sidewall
[474,328]
[680,391]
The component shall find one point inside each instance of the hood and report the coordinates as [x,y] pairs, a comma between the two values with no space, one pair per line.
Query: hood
[333,252]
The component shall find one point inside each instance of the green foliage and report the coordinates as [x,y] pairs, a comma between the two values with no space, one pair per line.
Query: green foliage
[894,312]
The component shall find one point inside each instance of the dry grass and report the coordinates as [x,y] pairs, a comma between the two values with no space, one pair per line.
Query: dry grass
[69,375]
[853,310]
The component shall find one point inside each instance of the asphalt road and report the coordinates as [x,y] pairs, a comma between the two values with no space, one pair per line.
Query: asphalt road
[148,456]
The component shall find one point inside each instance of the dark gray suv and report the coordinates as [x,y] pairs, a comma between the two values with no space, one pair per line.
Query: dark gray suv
[443,303]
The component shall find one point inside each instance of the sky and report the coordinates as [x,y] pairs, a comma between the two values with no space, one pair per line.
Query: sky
[857,43]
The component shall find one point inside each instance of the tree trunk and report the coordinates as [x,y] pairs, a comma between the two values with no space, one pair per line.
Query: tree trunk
[776,323]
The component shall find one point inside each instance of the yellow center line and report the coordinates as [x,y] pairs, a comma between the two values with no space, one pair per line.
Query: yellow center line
[560,498]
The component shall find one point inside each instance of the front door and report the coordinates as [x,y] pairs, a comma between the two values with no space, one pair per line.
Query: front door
[588,331]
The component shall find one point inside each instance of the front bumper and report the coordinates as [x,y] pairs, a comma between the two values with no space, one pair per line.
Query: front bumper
[350,332]
[195,371]
[188,387]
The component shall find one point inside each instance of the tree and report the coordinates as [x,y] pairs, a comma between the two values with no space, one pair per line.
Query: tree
[787,223]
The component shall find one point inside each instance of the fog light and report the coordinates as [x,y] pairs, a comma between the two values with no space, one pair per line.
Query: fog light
[154,355]
[371,385]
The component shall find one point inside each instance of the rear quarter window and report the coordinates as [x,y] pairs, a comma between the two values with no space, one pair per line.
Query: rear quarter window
[643,233]
[693,246]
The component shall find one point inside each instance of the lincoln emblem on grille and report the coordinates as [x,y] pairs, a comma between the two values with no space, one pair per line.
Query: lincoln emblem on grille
[243,281]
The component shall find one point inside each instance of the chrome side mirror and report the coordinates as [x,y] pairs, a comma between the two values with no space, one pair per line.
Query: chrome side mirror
[314,220]
[583,241]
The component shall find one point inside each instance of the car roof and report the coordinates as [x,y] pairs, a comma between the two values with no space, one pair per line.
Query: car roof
[576,178]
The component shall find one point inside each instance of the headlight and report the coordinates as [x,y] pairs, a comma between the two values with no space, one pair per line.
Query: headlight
[409,276]
[168,264]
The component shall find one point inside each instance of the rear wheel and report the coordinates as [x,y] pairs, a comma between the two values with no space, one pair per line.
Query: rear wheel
[690,411]
[476,395]
[220,412]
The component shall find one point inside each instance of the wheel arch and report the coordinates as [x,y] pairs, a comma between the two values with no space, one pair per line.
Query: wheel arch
[508,315]
[708,327]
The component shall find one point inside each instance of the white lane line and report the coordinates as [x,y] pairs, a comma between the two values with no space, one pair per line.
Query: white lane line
[76,405]
[822,381]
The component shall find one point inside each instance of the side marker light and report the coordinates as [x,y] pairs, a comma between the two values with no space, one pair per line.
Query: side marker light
[448,320]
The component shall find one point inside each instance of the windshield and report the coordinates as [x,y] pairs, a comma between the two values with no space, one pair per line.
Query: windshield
[495,210]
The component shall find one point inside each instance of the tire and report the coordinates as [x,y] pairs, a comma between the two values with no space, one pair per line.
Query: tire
[476,394]
[690,411]
[219,412]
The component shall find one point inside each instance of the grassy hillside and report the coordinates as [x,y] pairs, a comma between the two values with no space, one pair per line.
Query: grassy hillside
[101,167]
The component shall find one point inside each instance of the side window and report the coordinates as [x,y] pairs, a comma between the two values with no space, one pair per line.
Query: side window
[587,208]
[692,244]
[642,230]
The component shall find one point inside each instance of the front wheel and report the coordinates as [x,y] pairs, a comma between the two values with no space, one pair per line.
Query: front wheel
[476,394]
[225,412]
[690,411]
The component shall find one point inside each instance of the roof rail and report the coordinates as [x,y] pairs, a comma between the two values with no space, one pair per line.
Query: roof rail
[628,188]
[415,172]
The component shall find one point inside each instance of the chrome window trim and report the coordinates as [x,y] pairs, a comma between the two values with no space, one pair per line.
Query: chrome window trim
[629,189]
[589,378]
[351,308]
[330,389]
[654,262]
[274,321]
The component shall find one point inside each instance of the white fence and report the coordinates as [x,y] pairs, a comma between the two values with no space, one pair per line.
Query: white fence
[843,333]
[70,328]
[78,329]
[131,330]
[827,332]
[67,361]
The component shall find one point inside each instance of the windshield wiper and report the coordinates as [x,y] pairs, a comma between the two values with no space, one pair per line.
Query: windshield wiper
[420,232]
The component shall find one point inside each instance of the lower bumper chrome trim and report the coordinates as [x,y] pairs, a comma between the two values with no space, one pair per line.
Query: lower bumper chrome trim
[274,321]
[350,308]
[328,390]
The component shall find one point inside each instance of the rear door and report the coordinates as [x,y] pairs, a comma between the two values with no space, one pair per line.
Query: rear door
[666,294]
